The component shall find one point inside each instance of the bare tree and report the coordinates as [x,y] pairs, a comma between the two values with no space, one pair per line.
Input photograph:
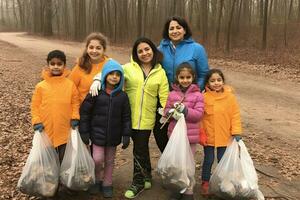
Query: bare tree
[219,23]
[265,25]
[227,47]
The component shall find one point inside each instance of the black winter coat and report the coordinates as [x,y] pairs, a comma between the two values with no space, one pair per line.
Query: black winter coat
[105,118]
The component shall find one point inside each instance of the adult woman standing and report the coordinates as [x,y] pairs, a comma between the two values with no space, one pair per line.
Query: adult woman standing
[145,83]
[90,63]
[178,47]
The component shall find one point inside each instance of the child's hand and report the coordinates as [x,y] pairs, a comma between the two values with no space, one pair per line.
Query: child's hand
[125,141]
[38,127]
[176,115]
[96,85]
[179,107]
[74,123]
[237,137]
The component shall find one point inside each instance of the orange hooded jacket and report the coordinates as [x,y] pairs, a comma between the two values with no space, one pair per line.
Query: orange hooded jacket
[55,102]
[221,117]
[83,80]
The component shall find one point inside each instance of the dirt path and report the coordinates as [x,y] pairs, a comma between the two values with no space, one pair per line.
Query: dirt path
[270,113]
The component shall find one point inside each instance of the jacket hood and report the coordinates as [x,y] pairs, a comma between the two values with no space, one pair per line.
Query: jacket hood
[166,42]
[110,66]
[46,75]
[192,88]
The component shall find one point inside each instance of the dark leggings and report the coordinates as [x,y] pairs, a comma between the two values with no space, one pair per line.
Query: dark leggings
[141,156]
[209,157]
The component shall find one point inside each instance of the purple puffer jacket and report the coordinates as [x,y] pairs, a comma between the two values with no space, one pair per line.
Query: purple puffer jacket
[194,102]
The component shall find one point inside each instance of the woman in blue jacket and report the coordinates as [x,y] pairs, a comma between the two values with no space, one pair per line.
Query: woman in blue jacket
[178,47]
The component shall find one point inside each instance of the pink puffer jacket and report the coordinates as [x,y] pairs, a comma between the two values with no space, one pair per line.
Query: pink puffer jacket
[194,102]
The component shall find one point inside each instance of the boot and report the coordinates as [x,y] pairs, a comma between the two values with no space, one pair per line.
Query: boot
[205,189]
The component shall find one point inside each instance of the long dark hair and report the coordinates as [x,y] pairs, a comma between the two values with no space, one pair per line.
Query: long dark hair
[85,60]
[182,22]
[157,55]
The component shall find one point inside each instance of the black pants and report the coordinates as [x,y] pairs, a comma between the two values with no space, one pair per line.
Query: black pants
[61,152]
[160,135]
[141,163]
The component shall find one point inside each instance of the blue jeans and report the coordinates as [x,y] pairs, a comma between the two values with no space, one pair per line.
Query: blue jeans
[209,157]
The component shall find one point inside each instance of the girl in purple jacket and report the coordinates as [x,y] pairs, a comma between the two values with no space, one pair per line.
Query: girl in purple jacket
[185,98]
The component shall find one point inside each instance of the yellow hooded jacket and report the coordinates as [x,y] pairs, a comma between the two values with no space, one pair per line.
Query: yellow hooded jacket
[83,80]
[221,117]
[143,93]
[55,102]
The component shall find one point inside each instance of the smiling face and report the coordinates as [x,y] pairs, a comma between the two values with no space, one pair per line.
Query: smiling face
[56,66]
[95,51]
[185,78]
[144,53]
[176,32]
[216,82]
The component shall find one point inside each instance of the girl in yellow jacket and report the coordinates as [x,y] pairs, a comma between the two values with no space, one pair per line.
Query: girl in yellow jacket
[55,102]
[221,122]
[90,63]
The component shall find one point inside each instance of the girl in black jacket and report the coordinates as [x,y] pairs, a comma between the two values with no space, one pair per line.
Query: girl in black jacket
[105,120]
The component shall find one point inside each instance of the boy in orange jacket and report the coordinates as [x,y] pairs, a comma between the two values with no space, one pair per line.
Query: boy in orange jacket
[55,102]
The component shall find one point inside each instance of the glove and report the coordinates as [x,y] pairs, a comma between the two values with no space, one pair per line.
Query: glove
[96,85]
[203,137]
[237,137]
[74,123]
[125,141]
[179,107]
[38,127]
[176,115]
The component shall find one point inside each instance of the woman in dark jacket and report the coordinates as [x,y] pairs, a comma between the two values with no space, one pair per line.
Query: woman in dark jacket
[106,120]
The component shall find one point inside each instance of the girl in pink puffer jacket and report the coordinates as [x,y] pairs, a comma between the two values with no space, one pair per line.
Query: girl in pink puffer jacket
[185,98]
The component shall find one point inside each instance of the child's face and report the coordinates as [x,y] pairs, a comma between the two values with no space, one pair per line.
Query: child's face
[144,53]
[56,66]
[113,78]
[185,78]
[216,82]
[95,50]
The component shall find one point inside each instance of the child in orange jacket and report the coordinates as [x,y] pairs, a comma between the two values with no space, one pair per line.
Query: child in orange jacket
[89,64]
[221,122]
[55,102]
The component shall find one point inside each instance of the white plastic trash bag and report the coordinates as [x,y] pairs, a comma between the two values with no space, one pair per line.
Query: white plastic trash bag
[176,165]
[235,176]
[40,174]
[77,170]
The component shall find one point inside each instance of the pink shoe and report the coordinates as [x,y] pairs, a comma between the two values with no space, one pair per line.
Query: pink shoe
[205,189]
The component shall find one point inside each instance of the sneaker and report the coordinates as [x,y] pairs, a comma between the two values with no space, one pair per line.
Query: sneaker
[147,185]
[96,188]
[133,192]
[175,196]
[107,191]
[204,189]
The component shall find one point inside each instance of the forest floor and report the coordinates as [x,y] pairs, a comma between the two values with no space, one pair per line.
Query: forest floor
[269,102]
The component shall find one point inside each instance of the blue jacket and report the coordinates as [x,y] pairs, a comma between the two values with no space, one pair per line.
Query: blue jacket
[107,117]
[186,51]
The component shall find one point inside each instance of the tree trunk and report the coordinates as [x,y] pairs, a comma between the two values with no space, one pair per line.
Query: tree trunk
[48,18]
[227,47]
[265,25]
[290,10]
[261,12]
[204,11]
[219,23]
[285,24]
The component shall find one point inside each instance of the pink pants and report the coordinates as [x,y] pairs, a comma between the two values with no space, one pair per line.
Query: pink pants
[104,158]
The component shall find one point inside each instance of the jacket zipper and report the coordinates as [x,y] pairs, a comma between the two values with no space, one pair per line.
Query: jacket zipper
[109,112]
[142,99]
